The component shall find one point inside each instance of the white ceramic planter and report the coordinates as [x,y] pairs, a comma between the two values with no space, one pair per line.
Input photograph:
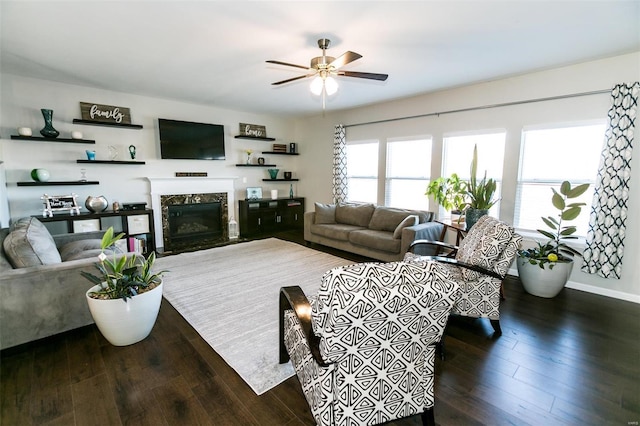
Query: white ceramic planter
[125,323]
[544,282]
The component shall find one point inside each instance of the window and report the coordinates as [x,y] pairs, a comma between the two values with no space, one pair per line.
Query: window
[458,152]
[407,176]
[548,157]
[362,171]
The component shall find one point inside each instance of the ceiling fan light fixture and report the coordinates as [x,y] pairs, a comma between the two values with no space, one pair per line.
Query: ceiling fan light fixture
[316,86]
[330,85]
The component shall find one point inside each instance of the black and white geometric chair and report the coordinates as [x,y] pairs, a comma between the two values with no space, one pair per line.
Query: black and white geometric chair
[364,347]
[479,265]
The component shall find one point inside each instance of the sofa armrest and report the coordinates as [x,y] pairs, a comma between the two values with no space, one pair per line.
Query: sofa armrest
[309,219]
[40,301]
[422,231]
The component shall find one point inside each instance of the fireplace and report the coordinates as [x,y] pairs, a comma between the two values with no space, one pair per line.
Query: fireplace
[193,221]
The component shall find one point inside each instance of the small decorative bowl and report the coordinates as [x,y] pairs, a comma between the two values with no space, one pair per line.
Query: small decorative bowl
[273,173]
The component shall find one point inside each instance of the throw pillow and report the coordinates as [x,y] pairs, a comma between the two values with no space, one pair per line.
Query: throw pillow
[30,244]
[387,218]
[410,220]
[325,213]
[354,214]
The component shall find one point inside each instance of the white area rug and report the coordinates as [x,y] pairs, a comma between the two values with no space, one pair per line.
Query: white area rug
[230,296]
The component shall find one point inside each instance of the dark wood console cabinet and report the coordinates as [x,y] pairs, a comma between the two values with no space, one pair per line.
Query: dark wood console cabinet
[266,216]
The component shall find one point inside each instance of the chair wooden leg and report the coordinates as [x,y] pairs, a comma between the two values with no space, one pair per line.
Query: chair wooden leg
[428,418]
[496,327]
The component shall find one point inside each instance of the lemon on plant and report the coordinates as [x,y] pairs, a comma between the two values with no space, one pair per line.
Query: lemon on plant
[552,257]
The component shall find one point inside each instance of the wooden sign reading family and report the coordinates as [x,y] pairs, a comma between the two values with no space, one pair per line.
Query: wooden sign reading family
[105,113]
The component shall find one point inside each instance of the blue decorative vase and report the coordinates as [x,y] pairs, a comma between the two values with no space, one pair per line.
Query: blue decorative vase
[48,131]
[273,173]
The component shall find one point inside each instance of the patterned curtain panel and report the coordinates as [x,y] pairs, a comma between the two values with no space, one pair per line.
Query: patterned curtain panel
[605,239]
[340,188]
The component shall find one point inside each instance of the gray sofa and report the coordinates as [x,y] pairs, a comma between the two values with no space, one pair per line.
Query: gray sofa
[378,232]
[41,290]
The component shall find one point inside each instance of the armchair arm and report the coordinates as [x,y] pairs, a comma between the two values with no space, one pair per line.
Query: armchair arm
[452,261]
[295,299]
[439,245]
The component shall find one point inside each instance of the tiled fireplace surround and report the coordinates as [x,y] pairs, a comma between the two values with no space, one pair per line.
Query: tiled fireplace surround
[178,190]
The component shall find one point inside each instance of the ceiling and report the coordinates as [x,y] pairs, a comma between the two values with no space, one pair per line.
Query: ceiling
[214,52]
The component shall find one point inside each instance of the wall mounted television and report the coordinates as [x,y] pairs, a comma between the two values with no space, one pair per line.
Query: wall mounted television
[191,141]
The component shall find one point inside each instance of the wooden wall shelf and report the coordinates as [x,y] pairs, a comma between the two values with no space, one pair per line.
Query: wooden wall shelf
[280,180]
[109,162]
[280,153]
[98,123]
[42,139]
[60,183]
[255,138]
[255,165]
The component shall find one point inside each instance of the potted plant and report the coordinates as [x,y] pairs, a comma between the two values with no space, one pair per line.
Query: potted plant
[544,270]
[125,299]
[480,193]
[449,192]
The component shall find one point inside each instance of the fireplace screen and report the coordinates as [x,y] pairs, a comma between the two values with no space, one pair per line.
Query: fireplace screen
[188,221]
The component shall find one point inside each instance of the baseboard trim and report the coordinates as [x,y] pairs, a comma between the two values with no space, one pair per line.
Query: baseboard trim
[634,298]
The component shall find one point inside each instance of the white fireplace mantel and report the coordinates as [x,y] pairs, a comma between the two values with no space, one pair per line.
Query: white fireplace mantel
[188,185]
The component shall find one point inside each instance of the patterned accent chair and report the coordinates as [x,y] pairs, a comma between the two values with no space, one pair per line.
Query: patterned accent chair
[364,347]
[479,265]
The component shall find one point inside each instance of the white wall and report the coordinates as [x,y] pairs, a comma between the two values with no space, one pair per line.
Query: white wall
[22,99]
[604,74]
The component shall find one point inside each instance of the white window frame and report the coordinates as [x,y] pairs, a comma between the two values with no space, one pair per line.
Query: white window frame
[465,175]
[531,233]
[426,177]
[363,177]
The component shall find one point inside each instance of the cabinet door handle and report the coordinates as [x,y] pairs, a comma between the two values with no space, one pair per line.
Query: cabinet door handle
[259,221]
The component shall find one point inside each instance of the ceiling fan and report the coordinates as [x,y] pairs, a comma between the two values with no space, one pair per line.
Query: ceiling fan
[324,68]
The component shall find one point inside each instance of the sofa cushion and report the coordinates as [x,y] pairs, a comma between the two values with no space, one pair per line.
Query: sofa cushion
[30,244]
[337,231]
[387,218]
[325,213]
[376,240]
[75,249]
[354,214]
[410,220]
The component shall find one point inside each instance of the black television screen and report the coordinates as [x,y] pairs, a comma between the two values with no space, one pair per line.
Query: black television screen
[191,141]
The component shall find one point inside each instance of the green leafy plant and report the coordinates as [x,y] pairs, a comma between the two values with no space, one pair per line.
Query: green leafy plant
[480,192]
[556,249]
[450,193]
[122,277]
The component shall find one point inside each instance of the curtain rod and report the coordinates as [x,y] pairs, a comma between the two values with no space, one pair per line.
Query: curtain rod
[505,104]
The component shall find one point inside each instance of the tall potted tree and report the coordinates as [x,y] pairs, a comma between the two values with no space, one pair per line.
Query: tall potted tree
[126,296]
[545,269]
[480,193]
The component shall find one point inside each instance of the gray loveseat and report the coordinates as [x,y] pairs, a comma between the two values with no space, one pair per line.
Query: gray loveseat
[378,232]
[41,290]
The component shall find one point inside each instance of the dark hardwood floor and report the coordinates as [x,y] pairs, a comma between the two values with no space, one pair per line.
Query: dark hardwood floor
[572,360]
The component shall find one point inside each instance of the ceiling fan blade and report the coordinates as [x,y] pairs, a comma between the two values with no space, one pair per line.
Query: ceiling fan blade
[287,64]
[345,59]
[369,75]
[277,83]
